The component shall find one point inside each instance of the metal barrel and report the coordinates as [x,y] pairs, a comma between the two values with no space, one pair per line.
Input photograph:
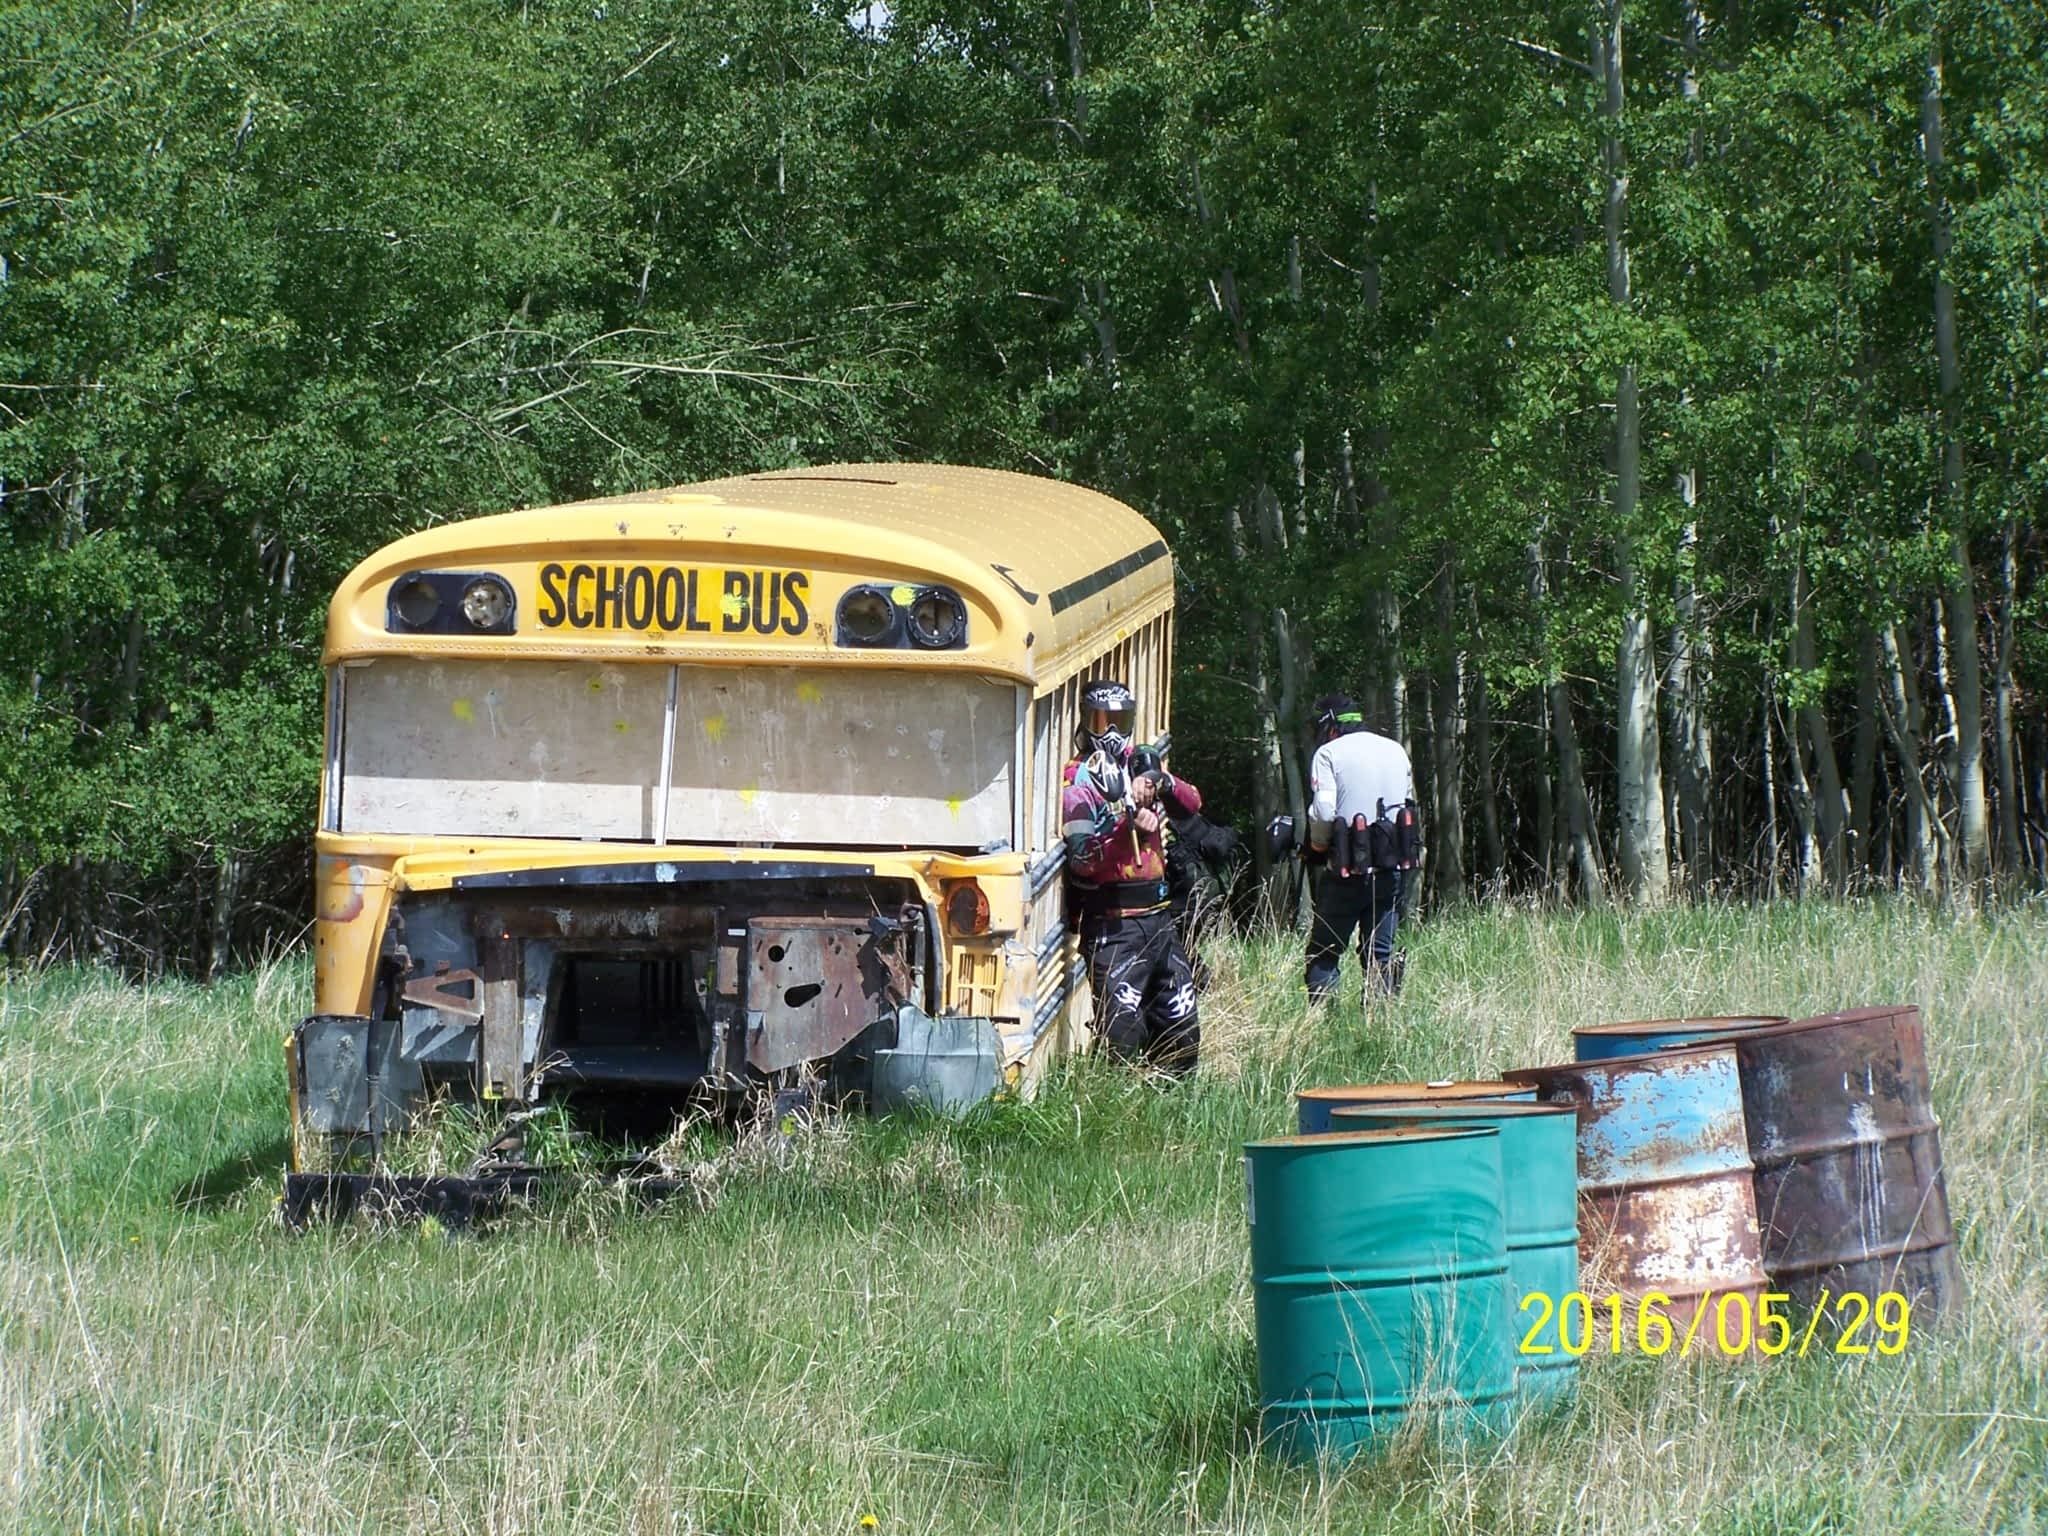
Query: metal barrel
[1540,1201]
[1313,1106]
[1379,1284]
[1597,1042]
[1849,1186]
[1667,1200]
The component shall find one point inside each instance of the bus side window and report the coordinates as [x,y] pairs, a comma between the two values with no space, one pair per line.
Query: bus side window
[1045,775]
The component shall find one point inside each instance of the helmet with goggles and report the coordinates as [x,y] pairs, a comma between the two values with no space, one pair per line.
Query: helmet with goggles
[1337,714]
[1109,718]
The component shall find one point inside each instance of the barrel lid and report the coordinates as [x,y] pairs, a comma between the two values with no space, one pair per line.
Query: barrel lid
[1466,1109]
[1411,1093]
[1663,1055]
[1814,1022]
[1712,1024]
[1392,1133]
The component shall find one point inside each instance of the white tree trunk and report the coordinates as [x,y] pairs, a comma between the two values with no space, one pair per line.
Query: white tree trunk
[1830,810]
[1389,676]
[1645,864]
[1960,597]
[1480,714]
[1800,791]
[1770,761]
[1685,691]
[1900,703]
[1645,860]
[1691,655]
[2003,724]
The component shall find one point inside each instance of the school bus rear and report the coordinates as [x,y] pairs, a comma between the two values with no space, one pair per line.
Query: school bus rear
[681,793]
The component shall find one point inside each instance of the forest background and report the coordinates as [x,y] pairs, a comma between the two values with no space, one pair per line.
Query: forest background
[1638,405]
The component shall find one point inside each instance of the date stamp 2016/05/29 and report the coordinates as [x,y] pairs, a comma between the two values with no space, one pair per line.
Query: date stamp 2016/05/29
[1727,1322]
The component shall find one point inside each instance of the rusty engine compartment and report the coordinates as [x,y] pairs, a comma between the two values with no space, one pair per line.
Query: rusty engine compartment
[630,994]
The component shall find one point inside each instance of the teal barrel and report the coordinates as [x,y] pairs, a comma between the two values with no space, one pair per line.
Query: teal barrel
[1379,1284]
[1597,1042]
[1313,1106]
[1539,1162]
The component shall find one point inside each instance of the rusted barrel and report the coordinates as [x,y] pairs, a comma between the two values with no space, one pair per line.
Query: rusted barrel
[1379,1284]
[1849,1186]
[1597,1042]
[1539,1187]
[1667,1202]
[1313,1106]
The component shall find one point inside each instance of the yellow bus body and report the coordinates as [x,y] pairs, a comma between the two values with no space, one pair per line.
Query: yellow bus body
[727,593]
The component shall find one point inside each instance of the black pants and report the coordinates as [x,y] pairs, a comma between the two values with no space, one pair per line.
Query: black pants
[1144,990]
[1369,902]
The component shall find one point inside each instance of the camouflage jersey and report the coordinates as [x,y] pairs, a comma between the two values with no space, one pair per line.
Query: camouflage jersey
[1113,852]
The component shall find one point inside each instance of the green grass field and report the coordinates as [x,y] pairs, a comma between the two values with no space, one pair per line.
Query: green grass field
[1038,1320]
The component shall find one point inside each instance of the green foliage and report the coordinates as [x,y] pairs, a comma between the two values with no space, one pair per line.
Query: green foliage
[1325,297]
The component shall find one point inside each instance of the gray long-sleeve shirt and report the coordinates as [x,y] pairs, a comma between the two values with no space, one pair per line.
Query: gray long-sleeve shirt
[1359,774]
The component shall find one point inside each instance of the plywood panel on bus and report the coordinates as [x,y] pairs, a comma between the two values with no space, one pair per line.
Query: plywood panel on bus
[825,756]
[483,747]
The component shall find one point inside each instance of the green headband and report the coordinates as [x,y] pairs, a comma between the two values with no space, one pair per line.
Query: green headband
[1352,718]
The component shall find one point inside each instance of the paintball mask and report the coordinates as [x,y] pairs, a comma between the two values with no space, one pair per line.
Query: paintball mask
[1109,718]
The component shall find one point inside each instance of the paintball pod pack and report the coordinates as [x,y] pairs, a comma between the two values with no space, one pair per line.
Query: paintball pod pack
[1392,840]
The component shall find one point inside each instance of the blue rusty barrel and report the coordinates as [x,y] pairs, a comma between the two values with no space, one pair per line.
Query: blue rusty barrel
[1666,1190]
[1540,1190]
[1597,1042]
[1379,1283]
[1849,1185]
[1313,1106]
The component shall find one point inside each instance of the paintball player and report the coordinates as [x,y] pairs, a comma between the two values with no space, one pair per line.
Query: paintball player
[1114,819]
[1362,828]
[1201,857]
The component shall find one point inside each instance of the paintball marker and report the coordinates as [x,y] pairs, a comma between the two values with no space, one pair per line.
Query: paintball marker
[1114,780]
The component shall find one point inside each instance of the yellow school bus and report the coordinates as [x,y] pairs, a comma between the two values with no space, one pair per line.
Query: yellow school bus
[714,788]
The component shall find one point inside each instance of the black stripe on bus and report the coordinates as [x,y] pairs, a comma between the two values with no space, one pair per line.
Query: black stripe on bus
[1079,591]
[659,872]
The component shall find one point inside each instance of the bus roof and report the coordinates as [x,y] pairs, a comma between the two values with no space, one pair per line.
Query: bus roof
[1060,565]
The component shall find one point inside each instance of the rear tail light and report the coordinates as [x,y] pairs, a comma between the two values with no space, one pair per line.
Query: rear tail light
[966,908]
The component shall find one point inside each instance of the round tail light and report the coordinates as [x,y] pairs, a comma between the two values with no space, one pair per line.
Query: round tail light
[966,908]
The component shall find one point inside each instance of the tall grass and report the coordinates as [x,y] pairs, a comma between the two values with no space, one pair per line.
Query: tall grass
[1035,1320]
